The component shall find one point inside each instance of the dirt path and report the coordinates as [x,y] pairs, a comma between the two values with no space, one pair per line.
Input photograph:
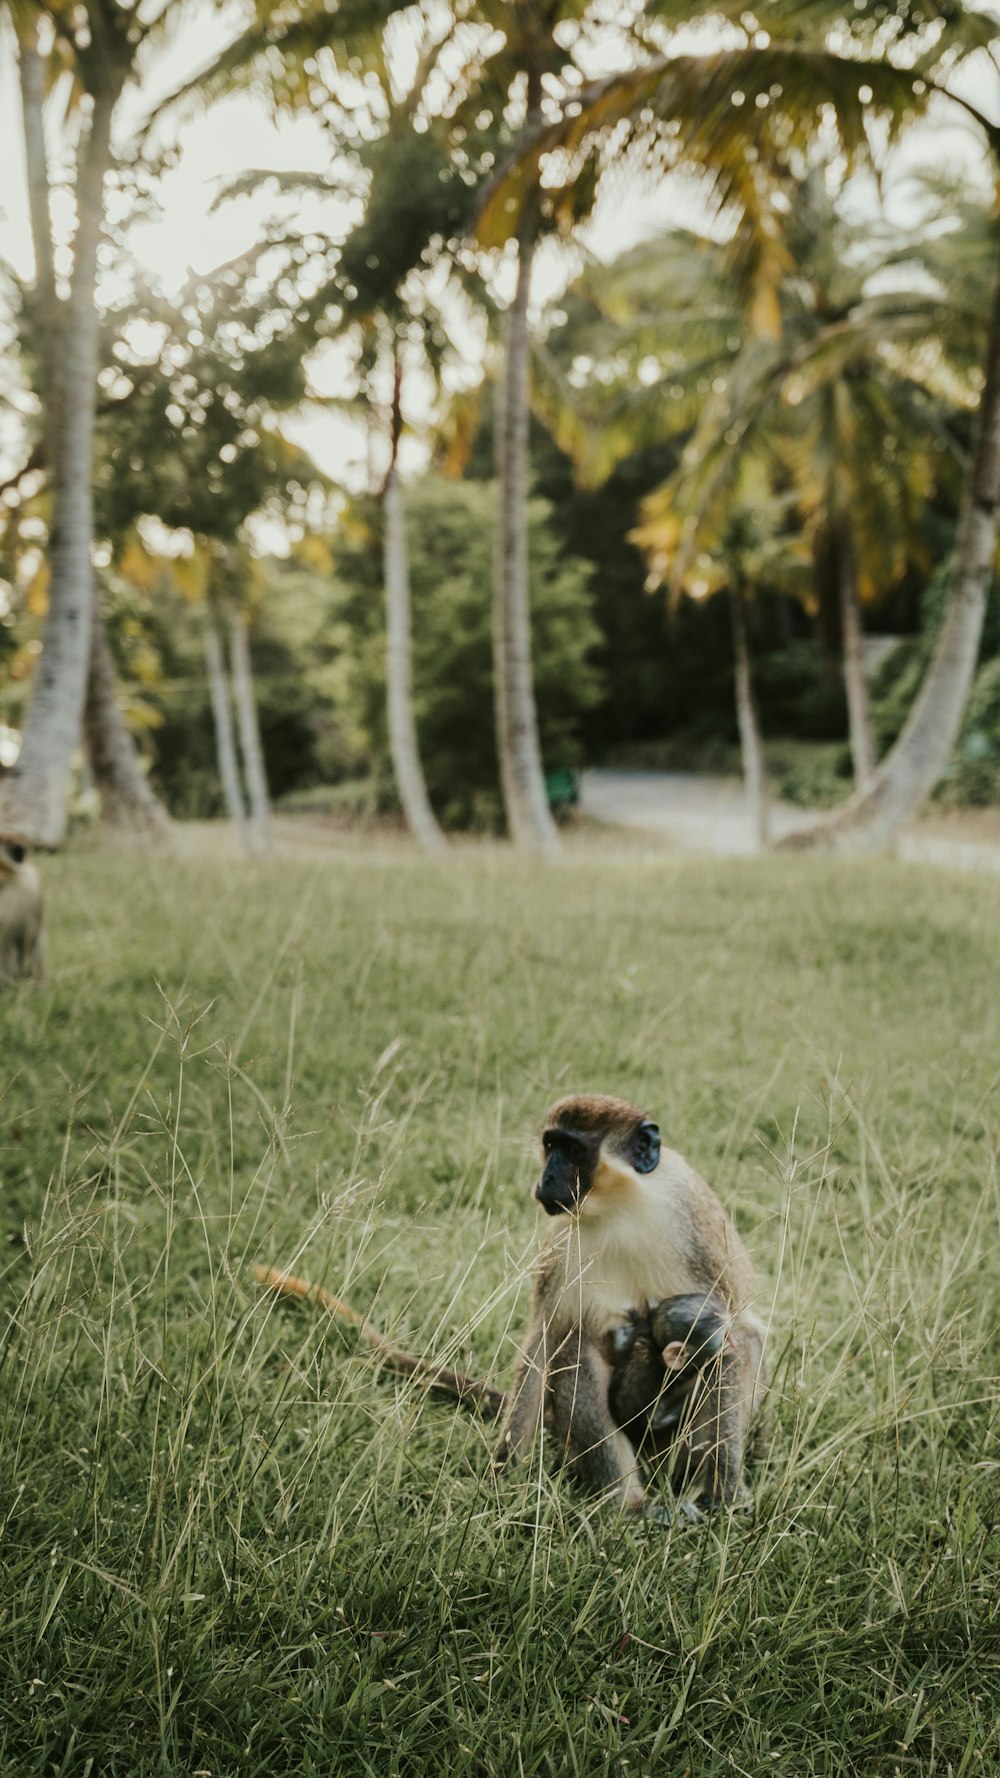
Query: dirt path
[706,814]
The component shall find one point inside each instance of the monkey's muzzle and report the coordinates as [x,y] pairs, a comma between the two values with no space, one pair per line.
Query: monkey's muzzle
[559,1190]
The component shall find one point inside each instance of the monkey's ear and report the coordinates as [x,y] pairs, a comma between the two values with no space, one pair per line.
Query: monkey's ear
[674,1355]
[646,1148]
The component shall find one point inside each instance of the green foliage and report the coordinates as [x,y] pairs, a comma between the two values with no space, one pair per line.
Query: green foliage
[813,776]
[190,436]
[232,1544]
[157,638]
[450,532]
[975,772]
[417,203]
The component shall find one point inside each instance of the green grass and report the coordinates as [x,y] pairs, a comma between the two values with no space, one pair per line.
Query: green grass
[233,1547]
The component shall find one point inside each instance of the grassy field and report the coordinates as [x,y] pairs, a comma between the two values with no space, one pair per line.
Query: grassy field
[232,1546]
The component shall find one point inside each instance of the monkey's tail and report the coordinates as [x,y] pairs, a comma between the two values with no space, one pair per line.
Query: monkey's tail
[470,1391]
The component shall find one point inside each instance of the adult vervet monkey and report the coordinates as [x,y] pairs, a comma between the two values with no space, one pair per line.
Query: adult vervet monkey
[22,945]
[633,1224]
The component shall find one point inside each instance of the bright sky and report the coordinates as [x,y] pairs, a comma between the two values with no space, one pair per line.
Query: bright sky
[238,135]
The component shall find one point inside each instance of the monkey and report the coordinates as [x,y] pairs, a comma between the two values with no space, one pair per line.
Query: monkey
[660,1360]
[22,943]
[634,1223]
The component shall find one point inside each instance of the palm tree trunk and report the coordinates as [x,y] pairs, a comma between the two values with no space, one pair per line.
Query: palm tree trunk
[859,713]
[906,776]
[399,673]
[126,798]
[32,78]
[529,817]
[751,743]
[249,726]
[34,794]
[225,739]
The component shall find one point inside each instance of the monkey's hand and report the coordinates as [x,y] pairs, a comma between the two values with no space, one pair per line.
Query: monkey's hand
[621,1339]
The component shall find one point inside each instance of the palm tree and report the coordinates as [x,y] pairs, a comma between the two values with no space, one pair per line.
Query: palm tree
[403,747]
[531,35]
[377,297]
[844,402]
[734,114]
[196,442]
[222,713]
[380,296]
[102,41]
[742,539]
[248,721]
[127,800]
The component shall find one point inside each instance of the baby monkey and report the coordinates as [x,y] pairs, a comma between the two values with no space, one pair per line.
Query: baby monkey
[659,1358]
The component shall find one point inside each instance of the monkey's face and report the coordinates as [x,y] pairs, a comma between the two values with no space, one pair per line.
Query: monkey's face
[568,1170]
[12,856]
[593,1146]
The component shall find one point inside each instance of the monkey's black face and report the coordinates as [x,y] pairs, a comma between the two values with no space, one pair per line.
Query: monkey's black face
[568,1171]
[571,1158]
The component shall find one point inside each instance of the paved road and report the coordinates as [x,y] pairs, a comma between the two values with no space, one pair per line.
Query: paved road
[704,814]
[701,813]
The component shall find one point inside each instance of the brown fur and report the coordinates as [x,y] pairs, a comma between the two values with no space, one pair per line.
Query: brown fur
[636,1238]
[22,943]
[594,1114]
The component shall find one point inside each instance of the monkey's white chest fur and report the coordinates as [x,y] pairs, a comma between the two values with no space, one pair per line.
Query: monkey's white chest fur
[610,1263]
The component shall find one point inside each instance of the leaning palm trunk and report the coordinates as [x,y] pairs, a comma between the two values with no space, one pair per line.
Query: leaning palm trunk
[249,726]
[859,715]
[35,793]
[908,774]
[399,674]
[32,76]
[225,739]
[127,801]
[529,817]
[751,744]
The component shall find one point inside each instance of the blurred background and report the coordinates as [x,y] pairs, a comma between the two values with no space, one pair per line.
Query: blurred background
[690,310]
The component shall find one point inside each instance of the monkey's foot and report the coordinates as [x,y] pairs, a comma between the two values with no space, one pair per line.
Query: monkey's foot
[710,1507]
[675,1512]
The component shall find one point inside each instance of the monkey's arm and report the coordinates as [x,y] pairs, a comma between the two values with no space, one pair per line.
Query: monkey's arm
[638,1379]
[483,1396]
[592,1447]
[526,1397]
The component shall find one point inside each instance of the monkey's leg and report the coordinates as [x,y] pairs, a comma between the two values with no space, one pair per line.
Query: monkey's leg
[591,1446]
[35,956]
[525,1401]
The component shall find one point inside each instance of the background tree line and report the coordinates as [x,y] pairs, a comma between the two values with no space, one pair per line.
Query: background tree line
[793,408]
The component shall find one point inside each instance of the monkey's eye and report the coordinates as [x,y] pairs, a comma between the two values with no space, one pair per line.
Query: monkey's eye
[15,853]
[646,1148]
